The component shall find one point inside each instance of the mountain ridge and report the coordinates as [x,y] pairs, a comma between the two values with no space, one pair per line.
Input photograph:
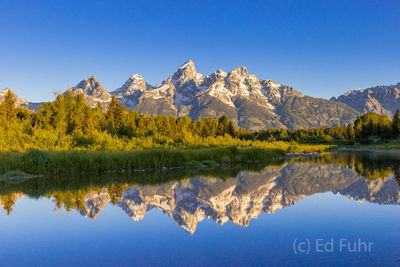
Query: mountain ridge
[381,99]
[249,102]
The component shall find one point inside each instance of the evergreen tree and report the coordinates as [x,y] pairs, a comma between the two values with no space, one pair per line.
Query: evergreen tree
[396,124]
[115,113]
[7,107]
[223,125]
[350,133]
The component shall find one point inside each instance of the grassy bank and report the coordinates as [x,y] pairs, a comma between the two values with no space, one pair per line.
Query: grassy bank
[94,162]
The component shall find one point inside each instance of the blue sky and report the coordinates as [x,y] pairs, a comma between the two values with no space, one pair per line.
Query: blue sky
[321,48]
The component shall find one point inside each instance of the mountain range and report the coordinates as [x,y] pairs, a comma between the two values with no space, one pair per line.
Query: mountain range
[248,101]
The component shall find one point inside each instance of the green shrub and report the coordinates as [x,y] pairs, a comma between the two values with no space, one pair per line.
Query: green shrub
[293,149]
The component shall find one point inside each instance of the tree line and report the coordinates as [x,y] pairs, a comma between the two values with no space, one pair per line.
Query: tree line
[366,129]
[69,123]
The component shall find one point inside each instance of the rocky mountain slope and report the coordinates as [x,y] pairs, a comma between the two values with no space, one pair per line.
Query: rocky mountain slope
[380,99]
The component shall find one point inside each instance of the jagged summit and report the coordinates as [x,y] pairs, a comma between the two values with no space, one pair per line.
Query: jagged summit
[91,87]
[188,65]
[241,71]
[220,73]
[130,92]
[93,91]
[133,84]
[214,77]
[186,73]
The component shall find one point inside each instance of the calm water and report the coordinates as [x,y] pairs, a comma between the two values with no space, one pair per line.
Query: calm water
[339,209]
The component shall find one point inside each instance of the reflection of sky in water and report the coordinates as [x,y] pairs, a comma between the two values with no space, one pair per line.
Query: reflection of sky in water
[35,234]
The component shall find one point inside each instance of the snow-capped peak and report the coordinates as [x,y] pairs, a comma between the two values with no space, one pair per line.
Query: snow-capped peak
[187,64]
[272,84]
[215,76]
[219,73]
[133,84]
[185,73]
[92,88]
[136,77]
[241,71]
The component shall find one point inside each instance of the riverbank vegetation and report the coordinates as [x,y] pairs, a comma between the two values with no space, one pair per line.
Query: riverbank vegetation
[90,162]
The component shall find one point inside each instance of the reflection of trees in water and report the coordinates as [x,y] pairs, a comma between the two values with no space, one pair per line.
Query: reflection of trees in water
[76,199]
[371,165]
[396,171]
[8,202]
[68,200]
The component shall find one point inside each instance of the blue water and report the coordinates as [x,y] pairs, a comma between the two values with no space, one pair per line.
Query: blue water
[37,234]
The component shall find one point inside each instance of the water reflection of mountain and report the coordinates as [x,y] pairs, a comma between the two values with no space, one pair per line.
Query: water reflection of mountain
[240,199]
[382,191]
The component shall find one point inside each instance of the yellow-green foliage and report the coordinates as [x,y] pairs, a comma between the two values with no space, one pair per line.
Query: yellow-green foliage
[14,137]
